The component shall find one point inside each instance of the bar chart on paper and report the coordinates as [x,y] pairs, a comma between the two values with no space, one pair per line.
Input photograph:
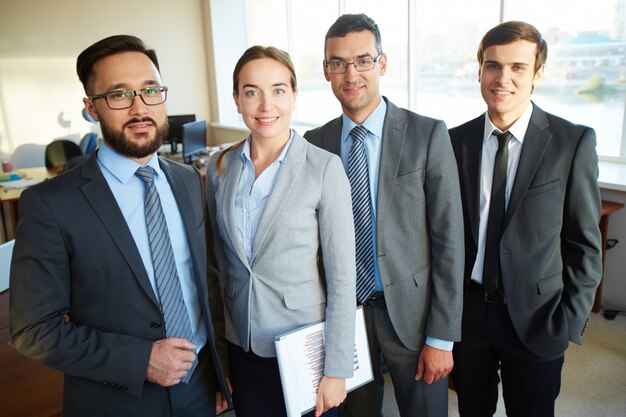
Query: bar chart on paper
[301,357]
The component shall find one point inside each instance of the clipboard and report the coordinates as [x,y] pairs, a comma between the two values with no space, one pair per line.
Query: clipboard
[300,355]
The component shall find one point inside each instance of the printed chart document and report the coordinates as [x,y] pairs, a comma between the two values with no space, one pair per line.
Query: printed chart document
[301,362]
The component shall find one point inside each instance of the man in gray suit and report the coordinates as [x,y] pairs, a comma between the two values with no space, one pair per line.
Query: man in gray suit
[90,296]
[531,208]
[413,250]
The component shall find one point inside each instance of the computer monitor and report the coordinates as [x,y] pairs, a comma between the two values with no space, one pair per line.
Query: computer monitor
[194,140]
[176,123]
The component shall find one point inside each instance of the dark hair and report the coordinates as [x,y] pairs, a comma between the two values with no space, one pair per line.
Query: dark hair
[252,54]
[258,52]
[106,47]
[349,23]
[512,31]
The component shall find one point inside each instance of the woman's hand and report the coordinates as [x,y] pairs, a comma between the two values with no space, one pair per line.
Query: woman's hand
[331,393]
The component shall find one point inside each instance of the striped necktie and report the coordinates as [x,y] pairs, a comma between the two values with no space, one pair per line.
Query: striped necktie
[168,285]
[362,210]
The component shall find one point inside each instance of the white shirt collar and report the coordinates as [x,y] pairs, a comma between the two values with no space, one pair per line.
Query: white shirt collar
[518,129]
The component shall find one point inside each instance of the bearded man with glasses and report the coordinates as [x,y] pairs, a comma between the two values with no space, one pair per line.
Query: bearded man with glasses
[408,224]
[109,271]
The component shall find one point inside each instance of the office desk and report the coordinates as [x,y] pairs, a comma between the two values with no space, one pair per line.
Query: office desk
[27,388]
[9,199]
[200,163]
[608,207]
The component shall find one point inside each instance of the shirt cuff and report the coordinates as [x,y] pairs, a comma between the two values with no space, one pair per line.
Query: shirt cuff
[439,344]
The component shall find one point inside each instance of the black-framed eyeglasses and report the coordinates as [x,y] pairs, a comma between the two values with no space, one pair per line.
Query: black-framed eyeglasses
[338,66]
[123,99]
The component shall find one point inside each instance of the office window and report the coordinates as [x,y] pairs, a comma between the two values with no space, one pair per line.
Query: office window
[299,27]
[446,69]
[431,49]
[585,76]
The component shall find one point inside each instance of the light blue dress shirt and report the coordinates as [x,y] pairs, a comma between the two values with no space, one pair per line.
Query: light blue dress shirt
[128,190]
[373,146]
[253,193]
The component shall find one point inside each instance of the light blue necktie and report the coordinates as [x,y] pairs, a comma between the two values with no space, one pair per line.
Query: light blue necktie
[362,210]
[168,285]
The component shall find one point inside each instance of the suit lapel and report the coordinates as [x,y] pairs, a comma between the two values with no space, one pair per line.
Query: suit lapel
[537,139]
[287,177]
[96,190]
[186,202]
[391,150]
[472,142]
[232,171]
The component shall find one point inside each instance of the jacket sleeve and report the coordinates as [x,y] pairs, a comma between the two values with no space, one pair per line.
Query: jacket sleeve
[580,237]
[215,252]
[336,226]
[445,227]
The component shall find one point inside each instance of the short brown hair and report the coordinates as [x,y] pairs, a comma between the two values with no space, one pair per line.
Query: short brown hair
[106,47]
[512,31]
[351,23]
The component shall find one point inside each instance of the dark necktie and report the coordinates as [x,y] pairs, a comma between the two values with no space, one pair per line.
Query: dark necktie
[492,281]
[168,285]
[362,210]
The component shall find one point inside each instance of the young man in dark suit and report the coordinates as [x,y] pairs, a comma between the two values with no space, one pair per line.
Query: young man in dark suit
[410,254]
[531,207]
[108,280]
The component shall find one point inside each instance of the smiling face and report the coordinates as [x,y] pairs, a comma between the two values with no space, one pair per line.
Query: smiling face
[507,77]
[358,92]
[138,131]
[265,99]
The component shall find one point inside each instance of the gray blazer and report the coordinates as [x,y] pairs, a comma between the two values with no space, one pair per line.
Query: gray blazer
[284,286]
[551,248]
[419,224]
[81,301]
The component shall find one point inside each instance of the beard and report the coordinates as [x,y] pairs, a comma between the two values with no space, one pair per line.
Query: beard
[122,144]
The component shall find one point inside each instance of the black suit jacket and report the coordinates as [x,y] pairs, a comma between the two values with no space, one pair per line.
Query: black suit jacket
[80,297]
[550,249]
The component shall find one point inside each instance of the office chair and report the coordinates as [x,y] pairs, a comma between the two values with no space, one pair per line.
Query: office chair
[58,152]
[88,143]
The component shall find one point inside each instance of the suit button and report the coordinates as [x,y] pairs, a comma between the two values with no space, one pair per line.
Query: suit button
[155,325]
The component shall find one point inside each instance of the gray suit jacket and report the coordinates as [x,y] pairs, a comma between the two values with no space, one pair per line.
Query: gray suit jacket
[80,298]
[550,248]
[309,213]
[419,224]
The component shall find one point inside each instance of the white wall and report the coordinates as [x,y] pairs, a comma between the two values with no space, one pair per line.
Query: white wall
[39,43]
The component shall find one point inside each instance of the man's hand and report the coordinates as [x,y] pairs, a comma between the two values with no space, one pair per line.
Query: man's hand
[170,360]
[433,364]
[221,404]
[331,393]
